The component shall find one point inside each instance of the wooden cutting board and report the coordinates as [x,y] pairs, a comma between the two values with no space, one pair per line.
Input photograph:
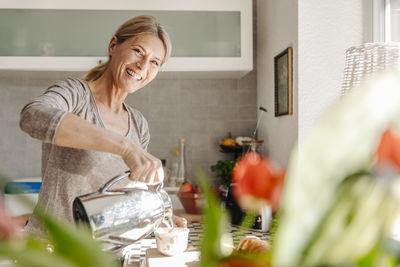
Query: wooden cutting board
[188,258]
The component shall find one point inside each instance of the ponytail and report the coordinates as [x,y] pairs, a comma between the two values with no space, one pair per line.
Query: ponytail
[96,72]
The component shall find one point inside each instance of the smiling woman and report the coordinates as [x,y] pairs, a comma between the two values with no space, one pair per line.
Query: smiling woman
[89,134]
[135,62]
[133,28]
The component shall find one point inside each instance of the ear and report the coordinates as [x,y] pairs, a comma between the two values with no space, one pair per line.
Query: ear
[112,45]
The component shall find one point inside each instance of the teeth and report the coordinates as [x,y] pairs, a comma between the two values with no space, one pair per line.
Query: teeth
[134,75]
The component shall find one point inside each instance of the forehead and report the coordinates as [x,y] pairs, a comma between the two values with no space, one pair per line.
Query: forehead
[151,43]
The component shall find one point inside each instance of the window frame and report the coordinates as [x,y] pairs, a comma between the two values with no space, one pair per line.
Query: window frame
[381,21]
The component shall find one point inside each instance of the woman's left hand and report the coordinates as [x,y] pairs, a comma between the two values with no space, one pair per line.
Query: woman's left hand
[179,221]
[10,228]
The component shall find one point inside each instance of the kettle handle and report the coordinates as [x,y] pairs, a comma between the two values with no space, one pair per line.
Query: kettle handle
[126,174]
[113,181]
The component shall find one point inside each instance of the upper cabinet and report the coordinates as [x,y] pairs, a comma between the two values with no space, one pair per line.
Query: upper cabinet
[208,36]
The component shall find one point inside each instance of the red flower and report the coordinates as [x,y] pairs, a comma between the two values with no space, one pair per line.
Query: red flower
[258,182]
[389,149]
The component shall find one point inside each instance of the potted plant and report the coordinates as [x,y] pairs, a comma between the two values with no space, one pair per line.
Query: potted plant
[223,170]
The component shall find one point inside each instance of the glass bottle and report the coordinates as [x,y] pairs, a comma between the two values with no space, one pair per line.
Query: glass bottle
[174,169]
[181,170]
[166,172]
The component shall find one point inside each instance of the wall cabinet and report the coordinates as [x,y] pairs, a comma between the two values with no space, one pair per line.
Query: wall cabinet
[207,36]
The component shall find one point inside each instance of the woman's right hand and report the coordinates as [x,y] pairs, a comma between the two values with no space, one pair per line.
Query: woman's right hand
[144,167]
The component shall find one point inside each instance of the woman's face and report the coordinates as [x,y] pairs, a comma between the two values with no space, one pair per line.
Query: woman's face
[135,62]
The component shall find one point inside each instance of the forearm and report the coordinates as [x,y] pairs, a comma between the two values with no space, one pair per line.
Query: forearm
[75,132]
[69,130]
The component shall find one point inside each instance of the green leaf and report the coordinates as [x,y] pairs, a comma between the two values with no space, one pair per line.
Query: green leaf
[378,256]
[31,253]
[72,246]
[215,221]
[75,244]
[359,215]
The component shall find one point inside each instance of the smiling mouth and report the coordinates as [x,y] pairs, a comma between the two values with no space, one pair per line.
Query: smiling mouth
[135,76]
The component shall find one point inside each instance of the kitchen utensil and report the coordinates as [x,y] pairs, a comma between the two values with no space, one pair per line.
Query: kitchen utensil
[123,216]
[258,121]
[253,143]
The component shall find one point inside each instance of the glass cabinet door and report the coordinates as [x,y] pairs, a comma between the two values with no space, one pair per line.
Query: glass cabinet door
[86,33]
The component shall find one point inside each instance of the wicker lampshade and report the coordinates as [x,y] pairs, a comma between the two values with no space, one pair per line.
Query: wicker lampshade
[365,60]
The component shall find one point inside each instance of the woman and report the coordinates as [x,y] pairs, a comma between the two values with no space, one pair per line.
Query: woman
[89,134]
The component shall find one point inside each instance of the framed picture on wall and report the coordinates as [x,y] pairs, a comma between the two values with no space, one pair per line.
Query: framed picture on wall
[283,68]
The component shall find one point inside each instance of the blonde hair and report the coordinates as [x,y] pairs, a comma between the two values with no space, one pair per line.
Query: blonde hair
[132,28]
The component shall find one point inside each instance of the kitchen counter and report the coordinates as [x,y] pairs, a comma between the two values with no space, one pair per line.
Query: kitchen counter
[137,252]
[188,216]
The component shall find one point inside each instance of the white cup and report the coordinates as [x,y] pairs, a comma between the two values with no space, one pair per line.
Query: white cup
[266,218]
[171,241]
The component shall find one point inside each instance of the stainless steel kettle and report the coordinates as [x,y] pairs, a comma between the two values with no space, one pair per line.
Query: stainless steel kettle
[125,215]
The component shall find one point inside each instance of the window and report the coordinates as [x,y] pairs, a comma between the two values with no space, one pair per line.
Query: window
[386,20]
[395,20]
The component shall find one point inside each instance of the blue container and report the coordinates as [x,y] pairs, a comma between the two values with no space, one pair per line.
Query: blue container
[22,187]
[27,187]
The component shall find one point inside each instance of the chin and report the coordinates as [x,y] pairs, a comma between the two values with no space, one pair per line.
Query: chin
[130,86]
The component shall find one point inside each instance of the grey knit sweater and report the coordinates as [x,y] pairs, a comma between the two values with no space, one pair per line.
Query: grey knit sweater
[70,172]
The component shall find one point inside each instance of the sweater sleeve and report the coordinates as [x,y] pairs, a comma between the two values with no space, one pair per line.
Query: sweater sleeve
[41,117]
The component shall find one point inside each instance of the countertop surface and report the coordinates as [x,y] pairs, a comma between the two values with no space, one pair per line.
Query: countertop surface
[137,252]
[187,259]
[188,216]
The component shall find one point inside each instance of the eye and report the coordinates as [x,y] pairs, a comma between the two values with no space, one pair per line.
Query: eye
[156,63]
[138,51]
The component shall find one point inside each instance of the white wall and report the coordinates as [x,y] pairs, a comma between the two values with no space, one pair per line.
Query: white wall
[276,30]
[319,32]
[326,30]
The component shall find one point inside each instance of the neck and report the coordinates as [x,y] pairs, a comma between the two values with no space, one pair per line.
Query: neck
[107,93]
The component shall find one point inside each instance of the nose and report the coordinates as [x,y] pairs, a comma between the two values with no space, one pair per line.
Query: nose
[142,64]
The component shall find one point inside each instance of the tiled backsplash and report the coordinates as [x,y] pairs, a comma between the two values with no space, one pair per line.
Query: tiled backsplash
[202,111]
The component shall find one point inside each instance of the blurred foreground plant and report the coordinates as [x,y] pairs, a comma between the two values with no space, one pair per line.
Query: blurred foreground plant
[65,246]
[259,182]
[217,245]
[341,195]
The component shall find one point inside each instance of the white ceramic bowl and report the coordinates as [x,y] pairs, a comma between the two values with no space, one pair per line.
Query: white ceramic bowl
[173,241]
